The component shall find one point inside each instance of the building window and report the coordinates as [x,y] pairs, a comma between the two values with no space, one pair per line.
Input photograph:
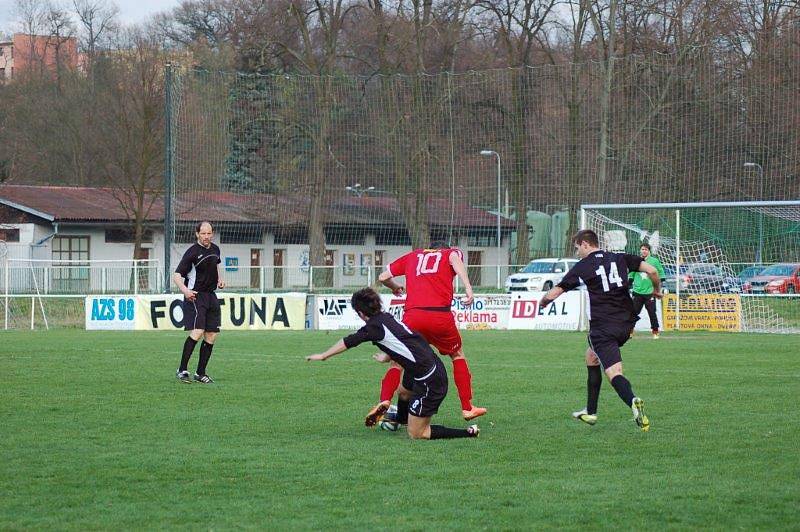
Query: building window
[9,235]
[344,237]
[125,236]
[392,238]
[70,276]
[482,240]
[286,235]
[240,235]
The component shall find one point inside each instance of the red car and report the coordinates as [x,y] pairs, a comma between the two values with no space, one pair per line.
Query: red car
[776,279]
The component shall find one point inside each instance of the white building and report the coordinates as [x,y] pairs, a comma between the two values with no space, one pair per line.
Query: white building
[263,239]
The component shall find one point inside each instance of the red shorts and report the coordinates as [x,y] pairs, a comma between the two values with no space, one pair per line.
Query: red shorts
[437,327]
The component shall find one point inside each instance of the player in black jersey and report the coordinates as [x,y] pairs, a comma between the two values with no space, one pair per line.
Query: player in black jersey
[424,384]
[611,318]
[198,274]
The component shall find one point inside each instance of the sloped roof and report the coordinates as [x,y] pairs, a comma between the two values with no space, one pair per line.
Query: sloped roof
[94,204]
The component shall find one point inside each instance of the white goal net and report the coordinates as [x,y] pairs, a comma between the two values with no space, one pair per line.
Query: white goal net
[728,266]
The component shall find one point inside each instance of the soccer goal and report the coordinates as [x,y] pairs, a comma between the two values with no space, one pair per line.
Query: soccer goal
[729,265]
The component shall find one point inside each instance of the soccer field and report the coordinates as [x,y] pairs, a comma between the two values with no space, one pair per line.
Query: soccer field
[97,433]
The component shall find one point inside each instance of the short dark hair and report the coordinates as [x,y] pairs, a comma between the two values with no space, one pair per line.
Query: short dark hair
[646,245]
[367,301]
[586,235]
[438,244]
[200,224]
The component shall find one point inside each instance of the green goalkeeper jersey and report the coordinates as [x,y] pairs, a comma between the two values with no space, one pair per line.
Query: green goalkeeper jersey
[641,282]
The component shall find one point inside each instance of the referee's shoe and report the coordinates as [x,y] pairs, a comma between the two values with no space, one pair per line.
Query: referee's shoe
[183,376]
[205,379]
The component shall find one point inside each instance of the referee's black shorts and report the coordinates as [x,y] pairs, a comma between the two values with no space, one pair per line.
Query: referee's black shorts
[427,391]
[606,339]
[202,313]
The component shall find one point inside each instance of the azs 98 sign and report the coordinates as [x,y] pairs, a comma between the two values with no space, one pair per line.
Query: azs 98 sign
[110,313]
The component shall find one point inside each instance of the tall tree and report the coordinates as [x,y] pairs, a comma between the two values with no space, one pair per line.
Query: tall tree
[518,27]
[132,125]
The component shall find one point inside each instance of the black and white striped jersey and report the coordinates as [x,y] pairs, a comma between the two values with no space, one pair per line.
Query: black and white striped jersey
[404,346]
[198,267]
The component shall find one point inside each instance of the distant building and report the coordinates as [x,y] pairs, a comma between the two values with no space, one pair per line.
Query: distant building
[263,237]
[38,53]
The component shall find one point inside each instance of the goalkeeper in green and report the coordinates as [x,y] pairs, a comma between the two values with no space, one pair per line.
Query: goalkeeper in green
[643,288]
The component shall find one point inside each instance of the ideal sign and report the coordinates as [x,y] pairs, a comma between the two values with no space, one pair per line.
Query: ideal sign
[563,314]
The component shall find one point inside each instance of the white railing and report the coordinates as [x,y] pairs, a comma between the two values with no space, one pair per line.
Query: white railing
[42,277]
[147,277]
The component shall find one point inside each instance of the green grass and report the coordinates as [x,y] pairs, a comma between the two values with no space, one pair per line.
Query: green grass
[97,433]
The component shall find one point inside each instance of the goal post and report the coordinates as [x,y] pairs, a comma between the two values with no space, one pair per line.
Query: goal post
[728,264]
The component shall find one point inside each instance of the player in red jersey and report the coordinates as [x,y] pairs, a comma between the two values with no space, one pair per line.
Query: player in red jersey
[429,277]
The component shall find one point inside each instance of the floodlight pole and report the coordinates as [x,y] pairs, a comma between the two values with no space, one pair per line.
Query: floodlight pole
[759,252]
[168,175]
[488,153]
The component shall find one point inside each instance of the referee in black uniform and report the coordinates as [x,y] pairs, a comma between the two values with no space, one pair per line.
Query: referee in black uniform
[197,276]
[424,377]
[612,318]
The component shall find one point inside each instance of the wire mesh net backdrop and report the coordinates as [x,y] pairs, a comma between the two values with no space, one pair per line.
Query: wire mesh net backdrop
[324,179]
[744,256]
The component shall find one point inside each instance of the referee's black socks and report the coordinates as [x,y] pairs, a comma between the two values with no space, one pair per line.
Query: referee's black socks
[188,347]
[205,355]
[623,388]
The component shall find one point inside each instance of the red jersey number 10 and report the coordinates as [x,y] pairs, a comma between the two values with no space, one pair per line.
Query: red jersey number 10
[428,262]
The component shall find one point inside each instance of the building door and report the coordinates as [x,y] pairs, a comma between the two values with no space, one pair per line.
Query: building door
[277,262]
[70,255]
[474,263]
[326,277]
[255,267]
[380,256]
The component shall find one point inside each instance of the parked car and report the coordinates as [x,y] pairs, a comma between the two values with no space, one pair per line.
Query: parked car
[700,278]
[777,279]
[539,274]
[750,272]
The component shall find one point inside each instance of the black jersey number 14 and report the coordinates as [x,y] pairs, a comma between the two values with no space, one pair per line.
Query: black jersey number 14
[610,277]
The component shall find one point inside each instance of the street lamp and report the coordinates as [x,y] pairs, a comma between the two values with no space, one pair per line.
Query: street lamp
[489,153]
[760,169]
[358,190]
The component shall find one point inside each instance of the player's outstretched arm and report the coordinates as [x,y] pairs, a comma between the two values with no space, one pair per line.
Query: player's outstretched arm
[551,295]
[386,279]
[461,271]
[335,349]
[652,273]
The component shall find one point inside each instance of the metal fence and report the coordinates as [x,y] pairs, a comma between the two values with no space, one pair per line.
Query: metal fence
[20,278]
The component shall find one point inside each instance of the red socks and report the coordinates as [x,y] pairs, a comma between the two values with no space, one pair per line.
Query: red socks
[390,383]
[463,379]
[461,375]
